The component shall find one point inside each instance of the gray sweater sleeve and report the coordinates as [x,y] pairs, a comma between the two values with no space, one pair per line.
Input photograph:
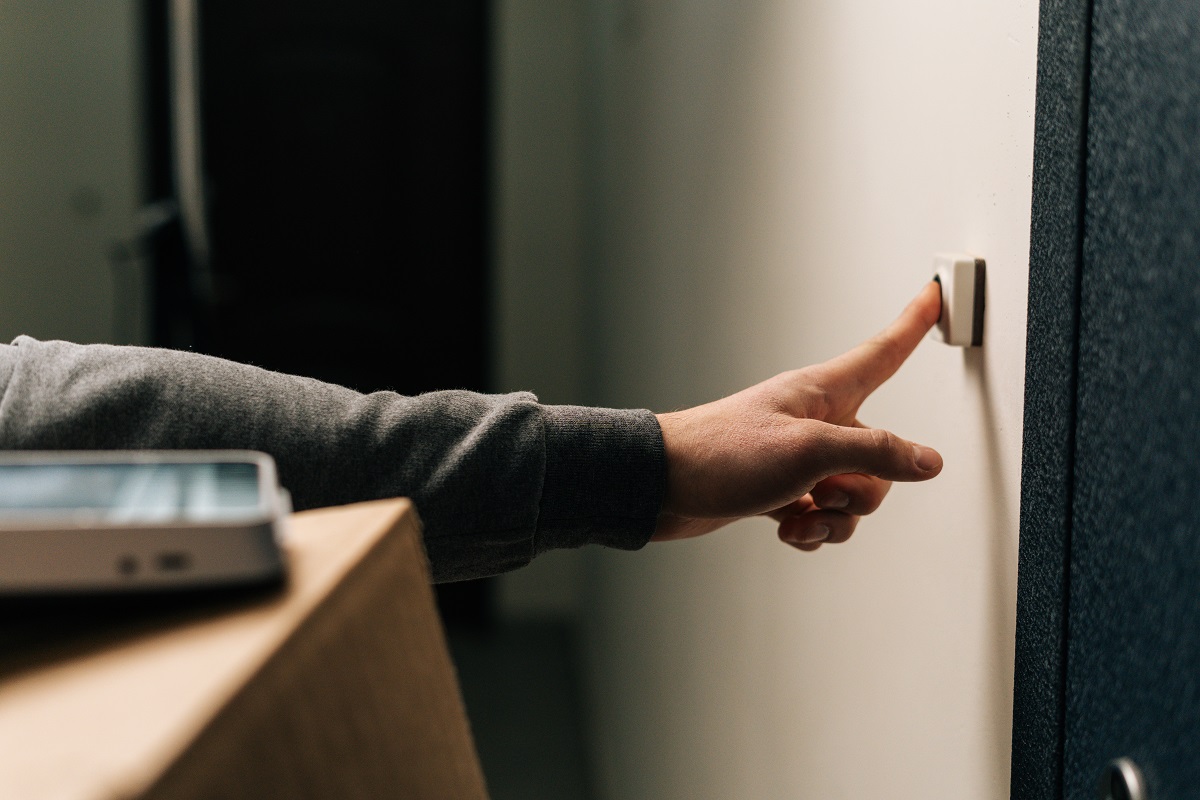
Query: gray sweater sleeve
[497,479]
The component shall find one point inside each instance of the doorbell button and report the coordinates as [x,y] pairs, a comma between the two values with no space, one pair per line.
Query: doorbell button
[962,280]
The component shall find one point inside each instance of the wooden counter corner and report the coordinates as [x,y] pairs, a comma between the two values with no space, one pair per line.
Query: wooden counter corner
[338,686]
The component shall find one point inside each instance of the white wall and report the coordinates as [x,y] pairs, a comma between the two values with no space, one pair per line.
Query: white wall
[773,179]
[69,170]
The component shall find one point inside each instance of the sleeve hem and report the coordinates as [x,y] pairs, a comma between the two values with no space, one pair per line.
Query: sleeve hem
[605,478]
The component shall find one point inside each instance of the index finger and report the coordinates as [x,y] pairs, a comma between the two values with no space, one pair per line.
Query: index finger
[865,368]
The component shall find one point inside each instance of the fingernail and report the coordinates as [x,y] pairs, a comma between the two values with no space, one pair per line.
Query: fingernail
[818,533]
[836,500]
[926,458]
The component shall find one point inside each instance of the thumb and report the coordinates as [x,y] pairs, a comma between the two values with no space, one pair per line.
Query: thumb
[876,452]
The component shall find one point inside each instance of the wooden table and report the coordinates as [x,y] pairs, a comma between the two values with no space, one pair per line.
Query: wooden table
[338,686]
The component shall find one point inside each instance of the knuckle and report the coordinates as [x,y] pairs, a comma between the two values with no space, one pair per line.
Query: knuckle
[865,494]
[808,390]
[883,441]
[843,532]
[819,391]
[884,445]
[822,401]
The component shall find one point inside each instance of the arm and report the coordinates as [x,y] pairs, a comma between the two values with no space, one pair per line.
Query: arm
[497,479]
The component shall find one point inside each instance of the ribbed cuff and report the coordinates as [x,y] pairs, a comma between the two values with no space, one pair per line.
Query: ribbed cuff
[605,478]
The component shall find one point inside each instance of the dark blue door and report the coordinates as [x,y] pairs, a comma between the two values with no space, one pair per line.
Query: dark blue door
[1108,657]
[1133,645]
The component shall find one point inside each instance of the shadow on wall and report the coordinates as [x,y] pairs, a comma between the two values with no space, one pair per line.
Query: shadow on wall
[1003,601]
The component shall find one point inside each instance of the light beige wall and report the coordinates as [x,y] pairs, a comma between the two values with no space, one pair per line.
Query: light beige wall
[69,170]
[774,178]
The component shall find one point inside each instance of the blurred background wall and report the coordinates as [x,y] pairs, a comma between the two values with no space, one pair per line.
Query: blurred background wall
[541,205]
[71,171]
[685,198]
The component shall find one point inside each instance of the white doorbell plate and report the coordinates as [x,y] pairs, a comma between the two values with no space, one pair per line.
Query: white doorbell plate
[962,279]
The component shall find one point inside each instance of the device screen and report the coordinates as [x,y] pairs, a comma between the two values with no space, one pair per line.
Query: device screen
[130,493]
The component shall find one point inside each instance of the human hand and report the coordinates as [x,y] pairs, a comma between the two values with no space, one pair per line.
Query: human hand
[792,447]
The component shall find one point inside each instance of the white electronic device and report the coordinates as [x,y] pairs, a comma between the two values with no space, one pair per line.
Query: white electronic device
[105,521]
[962,279]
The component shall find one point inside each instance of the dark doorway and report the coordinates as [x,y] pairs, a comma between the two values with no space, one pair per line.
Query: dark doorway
[345,150]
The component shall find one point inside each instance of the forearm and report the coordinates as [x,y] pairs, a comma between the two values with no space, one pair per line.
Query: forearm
[497,479]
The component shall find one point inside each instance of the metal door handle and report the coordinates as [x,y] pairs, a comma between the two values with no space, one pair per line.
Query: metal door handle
[1122,780]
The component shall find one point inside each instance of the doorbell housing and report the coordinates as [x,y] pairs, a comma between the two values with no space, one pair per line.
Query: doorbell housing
[962,279]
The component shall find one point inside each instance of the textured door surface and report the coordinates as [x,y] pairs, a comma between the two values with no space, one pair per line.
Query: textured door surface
[1108,657]
[1133,651]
